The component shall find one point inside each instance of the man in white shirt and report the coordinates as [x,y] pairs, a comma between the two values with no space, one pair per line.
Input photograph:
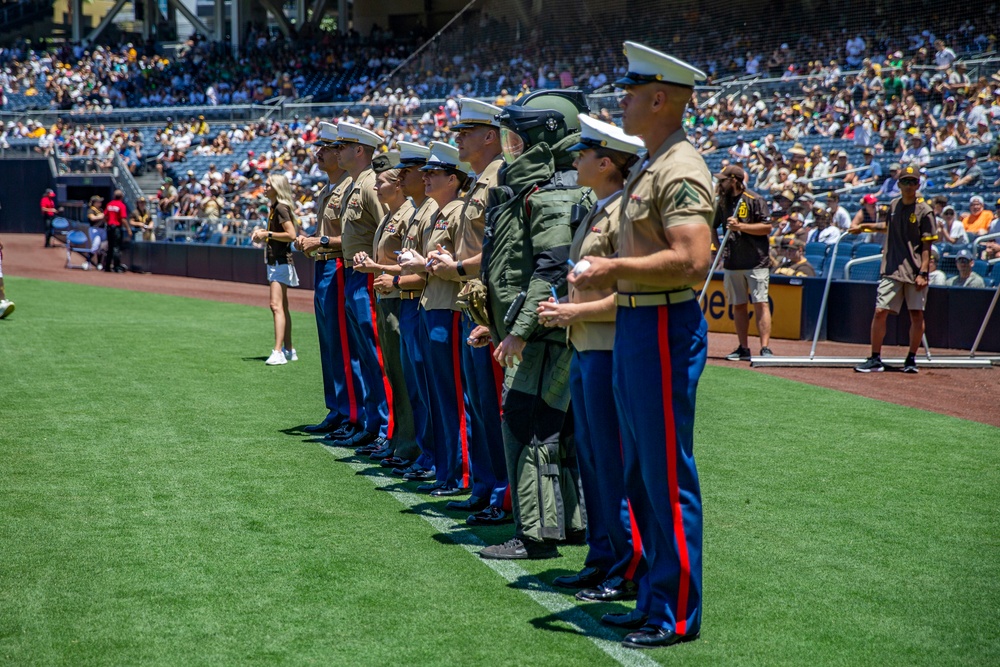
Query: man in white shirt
[838,214]
[917,154]
[944,56]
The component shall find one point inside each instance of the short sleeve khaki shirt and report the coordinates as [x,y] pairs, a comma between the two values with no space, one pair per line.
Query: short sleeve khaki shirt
[673,187]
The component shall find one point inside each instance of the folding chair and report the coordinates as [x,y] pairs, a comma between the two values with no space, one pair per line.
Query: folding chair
[89,246]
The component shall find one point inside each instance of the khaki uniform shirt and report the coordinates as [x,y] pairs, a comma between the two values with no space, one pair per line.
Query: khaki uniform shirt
[389,238]
[360,216]
[672,188]
[473,224]
[330,203]
[596,236]
[419,227]
[440,294]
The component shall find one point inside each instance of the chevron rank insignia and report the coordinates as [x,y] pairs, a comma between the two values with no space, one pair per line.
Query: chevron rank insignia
[686,196]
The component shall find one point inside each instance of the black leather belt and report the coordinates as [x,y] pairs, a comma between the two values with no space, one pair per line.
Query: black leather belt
[654,299]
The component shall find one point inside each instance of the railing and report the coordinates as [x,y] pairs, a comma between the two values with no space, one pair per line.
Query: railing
[125,181]
[860,260]
[193,229]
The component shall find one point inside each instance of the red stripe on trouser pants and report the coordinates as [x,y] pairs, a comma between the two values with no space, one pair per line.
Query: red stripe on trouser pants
[672,485]
[345,350]
[381,364]
[456,362]
[633,562]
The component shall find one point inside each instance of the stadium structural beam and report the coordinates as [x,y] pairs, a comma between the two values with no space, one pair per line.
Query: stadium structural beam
[76,28]
[276,11]
[342,17]
[106,21]
[235,33]
[189,15]
[300,13]
[218,19]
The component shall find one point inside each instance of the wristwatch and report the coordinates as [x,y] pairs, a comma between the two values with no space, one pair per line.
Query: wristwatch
[460,269]
[924,274]
[324,241]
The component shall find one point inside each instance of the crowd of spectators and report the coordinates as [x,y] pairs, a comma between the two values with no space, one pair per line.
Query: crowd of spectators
[483,56]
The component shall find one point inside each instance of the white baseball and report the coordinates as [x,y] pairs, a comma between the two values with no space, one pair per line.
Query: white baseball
[405,256]
[580,267]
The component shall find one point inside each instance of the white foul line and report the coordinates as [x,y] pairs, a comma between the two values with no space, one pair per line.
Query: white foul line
[553,601]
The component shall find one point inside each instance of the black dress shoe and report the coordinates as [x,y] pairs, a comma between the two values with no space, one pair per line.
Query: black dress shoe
[323,427]
[576,537]
[633,619]
[470,504]
[343,437]
[491,516]
[449,491]
[395,462]
[413,467]
[419,475]
[652,637]
[611,590]
[431,486]
[371,446]
[585,578]
[380,454]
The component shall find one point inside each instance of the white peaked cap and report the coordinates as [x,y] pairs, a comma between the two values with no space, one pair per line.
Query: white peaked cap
[475,113]
[646,65]
[598,134]
[349,133]
[411,153]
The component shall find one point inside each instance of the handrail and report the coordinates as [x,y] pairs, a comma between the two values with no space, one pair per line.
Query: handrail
[987,237]
[859,260]
[124,180]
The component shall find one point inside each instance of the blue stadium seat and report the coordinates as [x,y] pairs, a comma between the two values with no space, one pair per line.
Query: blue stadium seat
[867,250]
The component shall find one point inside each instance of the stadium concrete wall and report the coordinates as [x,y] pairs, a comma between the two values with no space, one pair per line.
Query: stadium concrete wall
[22,183]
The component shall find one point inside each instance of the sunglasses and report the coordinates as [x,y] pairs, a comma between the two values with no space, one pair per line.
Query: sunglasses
[909,181]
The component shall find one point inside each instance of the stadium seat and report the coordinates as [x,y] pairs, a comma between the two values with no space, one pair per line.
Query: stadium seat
[867,250]
[87,246]
[60,228]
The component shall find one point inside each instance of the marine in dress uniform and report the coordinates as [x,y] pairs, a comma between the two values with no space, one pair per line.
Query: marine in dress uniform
[360,215]
[444,177]
[411,285]
[478,144]
[342,389]
[613,565]
[660,341]
[383,264]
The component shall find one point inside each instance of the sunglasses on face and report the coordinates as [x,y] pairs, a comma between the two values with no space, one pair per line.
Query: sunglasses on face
[909,182]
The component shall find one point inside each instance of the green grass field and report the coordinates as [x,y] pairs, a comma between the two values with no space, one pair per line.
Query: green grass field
[155,510]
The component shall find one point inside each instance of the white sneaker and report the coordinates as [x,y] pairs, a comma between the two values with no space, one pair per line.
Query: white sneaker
[276,358]
[290,354]
[6,308]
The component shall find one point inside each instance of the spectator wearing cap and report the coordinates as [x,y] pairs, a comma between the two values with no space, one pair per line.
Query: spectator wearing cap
[978,219]
[910,229]
[49,210]
[981,132]
[950,227]
[141,221]
[869,173]
[740,151]
[745,257]
[970,174]
[890,186]
[794,262]
[823,229]
[867,214]
[917,152]
[966,276]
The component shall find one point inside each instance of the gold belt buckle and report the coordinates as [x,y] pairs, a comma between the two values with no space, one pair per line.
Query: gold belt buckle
[631,301]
